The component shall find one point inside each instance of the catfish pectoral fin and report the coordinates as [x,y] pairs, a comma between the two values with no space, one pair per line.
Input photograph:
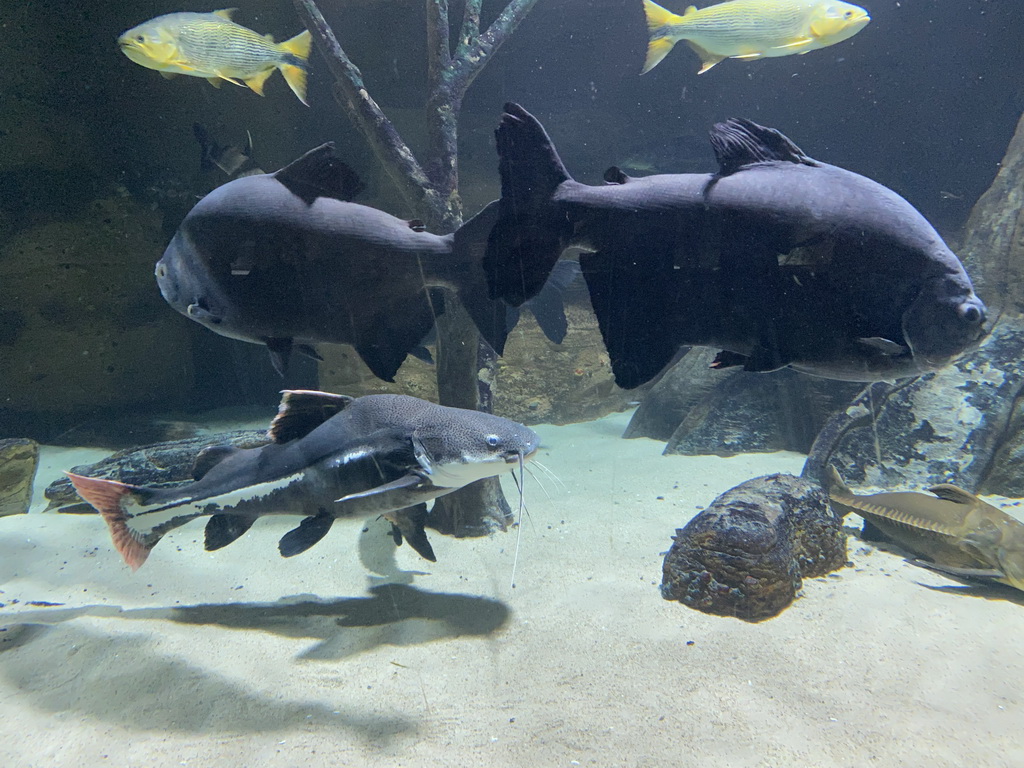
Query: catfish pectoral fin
[410,522]
[406,481]
[308,533]
[221,530]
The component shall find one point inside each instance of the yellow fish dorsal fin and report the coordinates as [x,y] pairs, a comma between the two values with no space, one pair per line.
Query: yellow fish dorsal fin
[690,9]
[225,13]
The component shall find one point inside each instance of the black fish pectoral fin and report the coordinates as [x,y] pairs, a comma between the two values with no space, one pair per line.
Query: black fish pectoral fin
[308,533]
[633,303]
[410,523]
[222,529]
[384,337]
[280,350]
[303,410]
[406,481]
[548,306]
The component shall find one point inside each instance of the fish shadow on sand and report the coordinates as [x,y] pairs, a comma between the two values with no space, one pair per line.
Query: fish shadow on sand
[121,679]
[393,614]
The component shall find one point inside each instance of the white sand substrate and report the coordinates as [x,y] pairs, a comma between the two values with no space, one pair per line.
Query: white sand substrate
[356,654]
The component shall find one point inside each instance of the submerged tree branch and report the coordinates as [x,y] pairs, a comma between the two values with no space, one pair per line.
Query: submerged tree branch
[474,55]
[396,157]
[470,25]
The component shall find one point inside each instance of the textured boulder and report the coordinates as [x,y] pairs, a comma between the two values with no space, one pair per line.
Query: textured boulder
[747,554]
[957,425]
[703,411]
[18,460]
[162,464]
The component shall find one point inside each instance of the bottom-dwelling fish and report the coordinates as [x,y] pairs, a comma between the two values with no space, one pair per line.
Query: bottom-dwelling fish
[332,456]
[957,532]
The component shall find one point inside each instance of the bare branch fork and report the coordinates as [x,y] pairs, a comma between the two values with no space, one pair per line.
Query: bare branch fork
[465,365]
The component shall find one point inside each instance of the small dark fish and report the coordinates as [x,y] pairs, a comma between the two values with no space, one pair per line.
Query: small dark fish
[777,259]
[331,456]
[234,162]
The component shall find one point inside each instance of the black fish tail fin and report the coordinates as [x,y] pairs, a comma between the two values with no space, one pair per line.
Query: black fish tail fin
[469,245]
[529,235]
[108,498]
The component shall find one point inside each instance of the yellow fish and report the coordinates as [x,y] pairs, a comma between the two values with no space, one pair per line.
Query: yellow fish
[211,45]
[751,29]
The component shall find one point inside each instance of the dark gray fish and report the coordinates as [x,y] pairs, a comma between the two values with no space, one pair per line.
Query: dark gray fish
[331,456]
[776,259]
[286,260]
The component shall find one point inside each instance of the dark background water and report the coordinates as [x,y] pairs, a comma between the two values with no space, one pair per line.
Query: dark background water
[923,100]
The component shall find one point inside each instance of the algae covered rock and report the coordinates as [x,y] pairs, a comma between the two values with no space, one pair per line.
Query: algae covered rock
[748,552]
[18,460]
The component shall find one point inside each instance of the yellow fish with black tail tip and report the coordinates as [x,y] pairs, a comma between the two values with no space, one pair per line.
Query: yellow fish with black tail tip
[751,29]
[211,45]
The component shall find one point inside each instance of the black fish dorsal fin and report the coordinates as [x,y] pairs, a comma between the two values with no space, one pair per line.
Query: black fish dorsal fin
[738,142]
[320,173]
[303,410]
[209,457]
[951,492]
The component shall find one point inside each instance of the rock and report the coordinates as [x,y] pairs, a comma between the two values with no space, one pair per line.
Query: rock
[703,411]
[993,247]
[162,464]
[84,327]
[18,460]
[748,552]
[951,426]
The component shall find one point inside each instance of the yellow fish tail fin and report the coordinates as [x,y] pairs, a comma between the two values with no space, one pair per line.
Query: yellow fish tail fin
[298,46]
[256,81]
[296,79]
[657,49]
[658,17]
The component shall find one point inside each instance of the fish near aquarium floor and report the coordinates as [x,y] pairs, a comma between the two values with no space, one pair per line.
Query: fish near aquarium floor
[240,657]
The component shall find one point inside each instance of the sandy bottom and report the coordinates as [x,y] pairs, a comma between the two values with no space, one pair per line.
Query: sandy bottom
[354,654]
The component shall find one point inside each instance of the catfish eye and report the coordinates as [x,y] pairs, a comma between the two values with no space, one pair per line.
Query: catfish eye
[493,441]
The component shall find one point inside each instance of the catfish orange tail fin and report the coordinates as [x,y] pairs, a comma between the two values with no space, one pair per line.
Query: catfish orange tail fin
[106,496]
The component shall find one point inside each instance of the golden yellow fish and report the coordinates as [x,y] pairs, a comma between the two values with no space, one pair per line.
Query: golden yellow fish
[751,29]
[211,45]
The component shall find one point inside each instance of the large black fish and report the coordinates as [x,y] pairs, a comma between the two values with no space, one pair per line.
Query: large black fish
[776,259]
[285,259]
[332,456]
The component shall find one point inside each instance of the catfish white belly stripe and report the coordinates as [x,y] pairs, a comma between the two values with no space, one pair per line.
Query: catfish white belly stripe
[456,475]
[157,516]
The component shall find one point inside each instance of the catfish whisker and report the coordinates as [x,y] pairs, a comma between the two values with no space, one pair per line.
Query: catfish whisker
[547,471]
[540,484]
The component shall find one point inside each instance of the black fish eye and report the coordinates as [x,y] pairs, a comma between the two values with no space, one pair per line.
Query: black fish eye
[972,315]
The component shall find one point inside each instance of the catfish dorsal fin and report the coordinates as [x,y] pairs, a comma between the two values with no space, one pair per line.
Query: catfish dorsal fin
[303,410]
[951,492]
[738,143]
[320,173]
[209,457]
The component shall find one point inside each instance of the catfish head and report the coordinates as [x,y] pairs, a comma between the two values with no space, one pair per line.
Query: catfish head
[454,453]
[946,320]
